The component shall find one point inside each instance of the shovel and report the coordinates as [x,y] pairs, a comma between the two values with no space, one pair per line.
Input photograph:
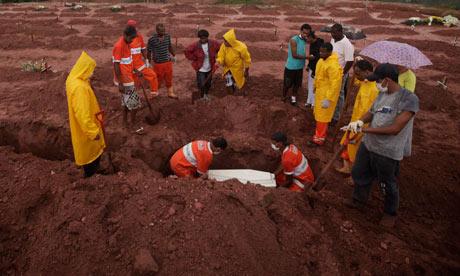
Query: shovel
[152,118]
[318,185]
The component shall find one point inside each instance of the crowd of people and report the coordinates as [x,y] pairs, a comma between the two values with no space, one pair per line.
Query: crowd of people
[376,139]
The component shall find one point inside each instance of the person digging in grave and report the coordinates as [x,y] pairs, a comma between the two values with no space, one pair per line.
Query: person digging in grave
[123,75]
[387,140]
[294,172]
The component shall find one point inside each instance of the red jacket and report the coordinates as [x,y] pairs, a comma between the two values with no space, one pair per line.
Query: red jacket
[195,53]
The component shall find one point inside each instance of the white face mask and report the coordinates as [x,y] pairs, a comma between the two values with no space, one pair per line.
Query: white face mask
[381,88]
[275,148]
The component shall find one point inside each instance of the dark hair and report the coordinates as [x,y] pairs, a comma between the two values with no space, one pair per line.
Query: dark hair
[327,46]
[312,34]
[337,27]
[280,137]
[305,27]
[220,143]
[203,33]
[364,65]
[159,25]
[130,31]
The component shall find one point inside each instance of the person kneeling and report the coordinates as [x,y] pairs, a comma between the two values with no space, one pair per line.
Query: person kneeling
[294,171]
[195,158]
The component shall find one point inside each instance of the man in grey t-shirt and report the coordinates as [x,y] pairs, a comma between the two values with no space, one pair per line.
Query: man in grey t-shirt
[386,141]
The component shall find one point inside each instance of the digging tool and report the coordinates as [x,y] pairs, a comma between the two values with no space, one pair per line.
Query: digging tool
[348,99]
[152,118]
[317,185]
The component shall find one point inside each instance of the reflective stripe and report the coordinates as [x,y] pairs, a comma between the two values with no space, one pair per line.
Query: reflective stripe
[188,153]
[135,51]
[127,60]
[141,68]
[124,84]
[300,169]
[298,183]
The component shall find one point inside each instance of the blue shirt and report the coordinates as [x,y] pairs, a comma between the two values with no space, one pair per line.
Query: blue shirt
[294,63]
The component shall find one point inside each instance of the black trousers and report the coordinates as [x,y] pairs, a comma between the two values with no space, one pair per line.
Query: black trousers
[204,84]
[92,167]
[370,166]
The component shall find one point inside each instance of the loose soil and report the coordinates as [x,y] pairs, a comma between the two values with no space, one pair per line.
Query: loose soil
[252,24]
[54,222]
[393,31]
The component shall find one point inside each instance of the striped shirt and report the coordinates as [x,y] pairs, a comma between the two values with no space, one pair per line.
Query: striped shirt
[159,50]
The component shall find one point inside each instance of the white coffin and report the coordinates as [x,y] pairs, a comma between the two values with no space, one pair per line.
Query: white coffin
[244,176]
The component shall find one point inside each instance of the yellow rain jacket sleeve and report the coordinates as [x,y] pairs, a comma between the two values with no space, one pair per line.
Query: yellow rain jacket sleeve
[235,58]
[364,99]
[328,82]
[83,107]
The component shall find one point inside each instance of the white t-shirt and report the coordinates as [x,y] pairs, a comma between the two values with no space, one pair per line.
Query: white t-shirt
[344,50]
[206,64]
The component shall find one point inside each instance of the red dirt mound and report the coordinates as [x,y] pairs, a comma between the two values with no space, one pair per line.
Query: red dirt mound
[255,10]
[82,42]
[14,42]
[390,31]
[455,32]
[207,17]
[73,14]
[246,35]
[257,18]
[367,20]
[86,21]
[242,24]
[347,13]
[183,8]
[265,54]
[220,10]
[308,20]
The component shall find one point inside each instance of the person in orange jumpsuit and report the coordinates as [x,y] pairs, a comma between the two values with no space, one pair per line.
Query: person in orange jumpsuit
[294,171]
[123,74]
[141,64]
[195,158]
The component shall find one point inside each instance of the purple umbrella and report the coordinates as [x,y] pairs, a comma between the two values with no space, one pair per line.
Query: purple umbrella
[396,53]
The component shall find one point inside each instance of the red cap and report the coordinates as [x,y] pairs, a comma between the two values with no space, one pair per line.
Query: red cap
[132,23]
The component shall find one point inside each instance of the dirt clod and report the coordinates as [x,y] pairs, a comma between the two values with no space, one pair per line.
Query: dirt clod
[144,263]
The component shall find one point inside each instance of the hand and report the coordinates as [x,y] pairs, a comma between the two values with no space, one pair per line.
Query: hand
[121,88]
[147,63]
[97,137]
[139,74]
[172,58]
[325,104]
[204,176]
[354,127]
[358,58]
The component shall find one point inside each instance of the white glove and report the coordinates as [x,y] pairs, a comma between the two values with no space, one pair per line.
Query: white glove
[325,104]
[172,58]
[354,127]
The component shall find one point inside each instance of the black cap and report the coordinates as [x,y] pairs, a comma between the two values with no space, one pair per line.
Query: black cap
[384,70]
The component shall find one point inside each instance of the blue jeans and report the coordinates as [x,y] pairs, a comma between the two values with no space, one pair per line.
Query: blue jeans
[370,166]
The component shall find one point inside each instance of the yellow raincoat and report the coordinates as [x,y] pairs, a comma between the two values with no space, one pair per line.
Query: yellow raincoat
[364,99]
[234,59]
[83,107]
[328,82]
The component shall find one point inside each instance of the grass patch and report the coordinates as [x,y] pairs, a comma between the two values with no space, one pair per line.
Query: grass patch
[451,4]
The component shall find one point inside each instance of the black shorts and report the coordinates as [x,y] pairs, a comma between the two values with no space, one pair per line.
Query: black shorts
[293,78]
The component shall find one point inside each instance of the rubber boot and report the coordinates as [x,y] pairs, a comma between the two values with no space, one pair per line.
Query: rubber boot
[346,169]
[171,93]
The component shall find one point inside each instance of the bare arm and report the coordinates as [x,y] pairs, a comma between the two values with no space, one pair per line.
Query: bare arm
[367,117]
[171,50]
[399,123]
[347,67]
[294,50]
[116,68]
[144,54]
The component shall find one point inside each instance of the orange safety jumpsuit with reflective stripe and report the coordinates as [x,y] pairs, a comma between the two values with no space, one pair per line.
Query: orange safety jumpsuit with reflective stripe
[295,164]
[122,54]
[137,46]
[192,158]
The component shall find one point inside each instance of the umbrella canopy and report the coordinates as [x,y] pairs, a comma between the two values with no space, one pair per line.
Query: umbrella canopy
[396,53]
[349,31]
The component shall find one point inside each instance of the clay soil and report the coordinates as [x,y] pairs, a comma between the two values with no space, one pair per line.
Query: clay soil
[133,216]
